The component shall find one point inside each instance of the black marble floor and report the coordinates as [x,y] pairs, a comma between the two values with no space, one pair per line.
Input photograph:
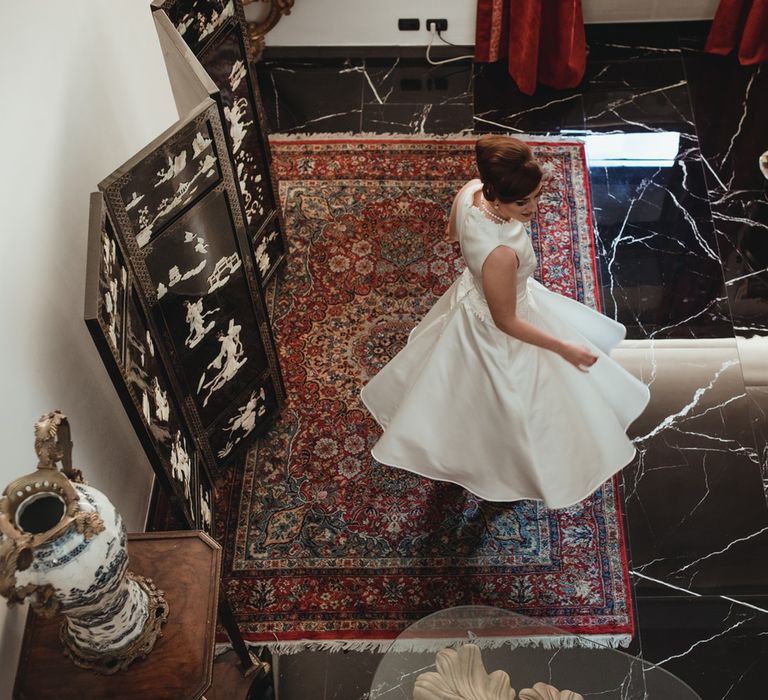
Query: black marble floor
[673,137]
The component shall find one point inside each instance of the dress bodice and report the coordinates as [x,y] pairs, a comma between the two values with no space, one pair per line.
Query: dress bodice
[479,236]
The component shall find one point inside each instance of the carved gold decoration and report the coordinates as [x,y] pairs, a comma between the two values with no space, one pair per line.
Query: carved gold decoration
[461,675]
[257,29]
[107,664]
[88,524]
[10,552]
[43,599]
[52,444]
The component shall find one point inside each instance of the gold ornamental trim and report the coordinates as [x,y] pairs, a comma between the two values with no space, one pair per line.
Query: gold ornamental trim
[139,648]
[52,445]
[257,30]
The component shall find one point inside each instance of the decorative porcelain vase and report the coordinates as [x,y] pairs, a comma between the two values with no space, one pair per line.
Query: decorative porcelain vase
[63,547]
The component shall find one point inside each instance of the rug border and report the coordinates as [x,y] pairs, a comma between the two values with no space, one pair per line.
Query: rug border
[382,645]
[326,136]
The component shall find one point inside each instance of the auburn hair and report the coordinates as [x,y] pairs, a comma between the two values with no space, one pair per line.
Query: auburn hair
[508,170]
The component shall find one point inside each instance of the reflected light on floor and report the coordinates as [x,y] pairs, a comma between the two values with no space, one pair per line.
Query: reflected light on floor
[657,149]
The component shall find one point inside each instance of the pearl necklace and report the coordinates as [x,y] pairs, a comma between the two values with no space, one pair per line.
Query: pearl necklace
[493,216]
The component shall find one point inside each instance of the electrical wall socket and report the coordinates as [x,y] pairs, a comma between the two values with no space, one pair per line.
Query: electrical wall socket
[440,25]
[408,25]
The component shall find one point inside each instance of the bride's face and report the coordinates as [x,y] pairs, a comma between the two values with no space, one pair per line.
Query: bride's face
[521,209]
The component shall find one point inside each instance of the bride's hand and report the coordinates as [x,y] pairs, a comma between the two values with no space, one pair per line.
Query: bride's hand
[579,356]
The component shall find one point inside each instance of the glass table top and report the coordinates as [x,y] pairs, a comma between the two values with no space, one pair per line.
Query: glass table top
[476,644]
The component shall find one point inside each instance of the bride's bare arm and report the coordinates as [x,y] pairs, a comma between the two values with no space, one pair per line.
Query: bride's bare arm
[500,288]
[450,228]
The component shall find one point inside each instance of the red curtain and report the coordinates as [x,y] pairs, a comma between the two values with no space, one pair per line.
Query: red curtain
[542,40]
[742,25]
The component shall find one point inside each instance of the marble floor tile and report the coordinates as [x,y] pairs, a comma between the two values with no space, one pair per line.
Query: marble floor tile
[631,41]
[743,250]
[312,96]
[618,108]
[692,36]
[693,497]
[753,356]
[718,647]
[417,118]
[413,81]
[758,411]
[500,106]
[644,73]
[731,110]
[343,675]
[635,80]
[659,260]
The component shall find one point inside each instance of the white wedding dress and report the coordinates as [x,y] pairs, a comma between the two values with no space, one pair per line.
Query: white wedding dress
[465,402]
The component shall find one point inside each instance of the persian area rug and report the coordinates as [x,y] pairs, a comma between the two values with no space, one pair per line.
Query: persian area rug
[325,546]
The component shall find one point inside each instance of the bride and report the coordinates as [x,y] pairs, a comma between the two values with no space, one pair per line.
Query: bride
[504,387]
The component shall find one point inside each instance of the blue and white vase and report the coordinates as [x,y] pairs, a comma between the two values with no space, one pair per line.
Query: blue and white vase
[63,547]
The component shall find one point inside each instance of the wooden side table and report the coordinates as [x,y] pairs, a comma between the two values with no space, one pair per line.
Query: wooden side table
[186,565]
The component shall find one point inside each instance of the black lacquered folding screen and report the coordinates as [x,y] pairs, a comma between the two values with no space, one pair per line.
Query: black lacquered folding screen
[182,238]
[179,218]
[124,315]
[129,347]
[216,33]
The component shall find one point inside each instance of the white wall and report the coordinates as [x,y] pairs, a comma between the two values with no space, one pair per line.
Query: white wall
[596,11]
[83,87]
[374,23]
[369,22]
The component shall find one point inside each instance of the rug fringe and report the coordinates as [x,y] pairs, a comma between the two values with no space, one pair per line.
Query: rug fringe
[389,136]
[381,646]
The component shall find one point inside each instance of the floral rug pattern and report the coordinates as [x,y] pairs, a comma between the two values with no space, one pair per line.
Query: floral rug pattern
[322,542]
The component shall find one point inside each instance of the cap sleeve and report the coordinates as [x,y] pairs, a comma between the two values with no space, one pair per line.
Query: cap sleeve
[478,236]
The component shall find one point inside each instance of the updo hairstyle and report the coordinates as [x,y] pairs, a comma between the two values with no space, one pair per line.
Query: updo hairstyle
[507,168]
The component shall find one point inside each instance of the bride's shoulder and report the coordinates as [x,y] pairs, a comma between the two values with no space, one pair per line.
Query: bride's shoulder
[471,185]
[468,190]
